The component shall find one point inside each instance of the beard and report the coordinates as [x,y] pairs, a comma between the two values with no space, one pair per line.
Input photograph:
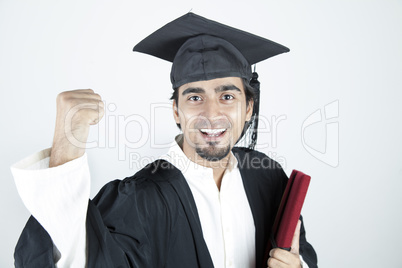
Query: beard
[212,152]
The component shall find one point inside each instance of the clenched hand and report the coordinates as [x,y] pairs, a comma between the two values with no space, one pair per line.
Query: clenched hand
[76,111]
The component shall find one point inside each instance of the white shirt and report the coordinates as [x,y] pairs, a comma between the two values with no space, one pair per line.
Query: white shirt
[225,215]
[58,197]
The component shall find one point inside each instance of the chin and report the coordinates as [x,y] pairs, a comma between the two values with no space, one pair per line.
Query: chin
[213,153]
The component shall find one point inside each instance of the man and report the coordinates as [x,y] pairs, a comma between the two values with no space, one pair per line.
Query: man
[204,204]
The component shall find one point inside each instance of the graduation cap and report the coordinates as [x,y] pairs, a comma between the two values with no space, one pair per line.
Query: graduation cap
[201,49]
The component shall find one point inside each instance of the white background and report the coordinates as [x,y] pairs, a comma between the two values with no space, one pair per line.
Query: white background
[345,51]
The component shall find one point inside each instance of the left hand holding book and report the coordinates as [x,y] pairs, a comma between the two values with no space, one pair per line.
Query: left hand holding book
[286,259]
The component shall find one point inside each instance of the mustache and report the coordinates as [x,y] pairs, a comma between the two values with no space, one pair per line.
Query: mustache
[219,123]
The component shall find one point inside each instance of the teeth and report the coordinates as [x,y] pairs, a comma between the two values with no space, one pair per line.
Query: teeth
[212,131]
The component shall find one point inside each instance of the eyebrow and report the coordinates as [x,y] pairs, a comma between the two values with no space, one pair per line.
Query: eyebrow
[217,89]
[193,90]
[226,88]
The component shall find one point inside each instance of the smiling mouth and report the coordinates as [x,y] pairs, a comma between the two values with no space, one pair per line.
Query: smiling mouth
[211,133]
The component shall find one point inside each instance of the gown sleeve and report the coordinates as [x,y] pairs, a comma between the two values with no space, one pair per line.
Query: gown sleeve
[128,225]
[306,250]
[57,198]
[112,230]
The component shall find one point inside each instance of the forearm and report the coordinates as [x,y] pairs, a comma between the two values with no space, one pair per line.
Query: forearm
[66,146]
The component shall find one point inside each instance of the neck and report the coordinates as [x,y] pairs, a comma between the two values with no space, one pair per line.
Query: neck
[218,167]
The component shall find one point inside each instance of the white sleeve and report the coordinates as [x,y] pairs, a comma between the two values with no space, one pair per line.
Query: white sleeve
[58,198]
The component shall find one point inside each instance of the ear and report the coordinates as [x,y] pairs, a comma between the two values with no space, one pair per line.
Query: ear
[249,111]
[176,112]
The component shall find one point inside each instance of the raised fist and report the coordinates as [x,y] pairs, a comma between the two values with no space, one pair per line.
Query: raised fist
[76,111]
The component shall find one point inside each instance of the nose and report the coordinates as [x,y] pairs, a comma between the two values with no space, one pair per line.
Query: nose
[212,109]
[214,115]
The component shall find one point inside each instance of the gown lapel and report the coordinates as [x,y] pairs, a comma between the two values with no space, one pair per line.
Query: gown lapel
[180,186]
[251,188]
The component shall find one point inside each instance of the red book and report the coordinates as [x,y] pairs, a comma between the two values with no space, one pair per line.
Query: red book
[289,210]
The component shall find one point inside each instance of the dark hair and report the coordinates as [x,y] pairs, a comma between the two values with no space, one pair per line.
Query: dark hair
[248,90]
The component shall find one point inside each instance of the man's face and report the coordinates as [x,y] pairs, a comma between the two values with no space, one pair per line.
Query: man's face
[212,115]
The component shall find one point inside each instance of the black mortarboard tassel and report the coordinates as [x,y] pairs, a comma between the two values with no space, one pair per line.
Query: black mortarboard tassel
[254,83]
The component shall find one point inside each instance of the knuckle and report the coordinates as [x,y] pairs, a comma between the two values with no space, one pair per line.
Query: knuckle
[270,262]
[101,112]
[273,252]
[62,95]
[63,99]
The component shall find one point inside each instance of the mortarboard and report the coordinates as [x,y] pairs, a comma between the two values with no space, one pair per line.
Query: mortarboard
[202,49]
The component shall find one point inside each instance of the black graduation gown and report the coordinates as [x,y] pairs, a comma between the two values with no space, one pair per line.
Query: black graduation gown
[151,219]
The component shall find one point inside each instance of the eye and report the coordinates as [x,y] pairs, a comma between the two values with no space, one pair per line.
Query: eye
[194,98]
[227,97]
